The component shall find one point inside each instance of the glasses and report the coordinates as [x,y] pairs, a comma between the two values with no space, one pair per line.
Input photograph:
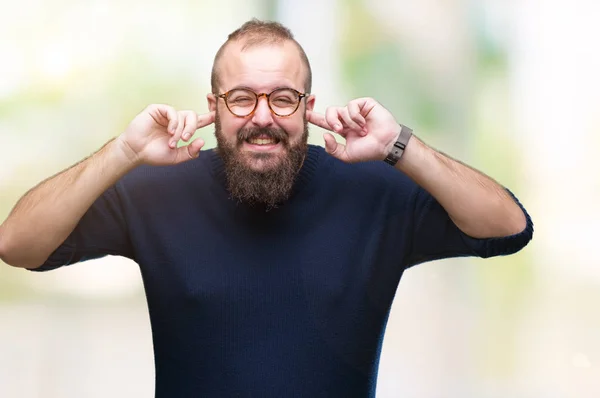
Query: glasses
[282,102]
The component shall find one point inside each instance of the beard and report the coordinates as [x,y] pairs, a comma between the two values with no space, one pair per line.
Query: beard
[272,181]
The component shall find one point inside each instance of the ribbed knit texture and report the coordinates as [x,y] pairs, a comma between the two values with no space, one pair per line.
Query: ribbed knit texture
[290,302]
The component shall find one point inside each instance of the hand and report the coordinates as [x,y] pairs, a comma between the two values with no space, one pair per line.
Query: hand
[152,136]
[370,130]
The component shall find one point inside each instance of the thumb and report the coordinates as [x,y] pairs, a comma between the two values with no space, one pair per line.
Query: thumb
[190,151]
[334,148]
[195,146]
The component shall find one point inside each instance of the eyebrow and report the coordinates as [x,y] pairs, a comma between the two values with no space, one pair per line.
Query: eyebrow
[251,89]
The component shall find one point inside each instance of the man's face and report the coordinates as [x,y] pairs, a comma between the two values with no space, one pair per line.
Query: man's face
[262,150]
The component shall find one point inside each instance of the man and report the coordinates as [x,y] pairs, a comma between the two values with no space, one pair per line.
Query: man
[269,265]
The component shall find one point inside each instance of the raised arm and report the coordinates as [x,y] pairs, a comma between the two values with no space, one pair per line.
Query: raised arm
[477,204]
[45,216]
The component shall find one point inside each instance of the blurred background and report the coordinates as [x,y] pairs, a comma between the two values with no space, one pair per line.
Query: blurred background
[510,87]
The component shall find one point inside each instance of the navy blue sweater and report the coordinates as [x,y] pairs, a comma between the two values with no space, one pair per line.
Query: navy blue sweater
[288,302]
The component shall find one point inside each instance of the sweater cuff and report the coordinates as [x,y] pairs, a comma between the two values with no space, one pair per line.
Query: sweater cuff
[505,245]
[63,255]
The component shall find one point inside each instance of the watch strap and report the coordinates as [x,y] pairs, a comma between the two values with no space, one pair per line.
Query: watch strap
[399,146]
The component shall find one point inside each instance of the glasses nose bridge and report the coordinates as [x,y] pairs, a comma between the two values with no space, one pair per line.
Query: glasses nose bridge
[267,98]
[262,114]
[258,96]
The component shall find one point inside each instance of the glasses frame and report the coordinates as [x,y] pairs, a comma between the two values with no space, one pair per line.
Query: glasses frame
[225,95]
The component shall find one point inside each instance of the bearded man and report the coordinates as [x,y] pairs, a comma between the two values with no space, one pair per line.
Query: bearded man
[269,265]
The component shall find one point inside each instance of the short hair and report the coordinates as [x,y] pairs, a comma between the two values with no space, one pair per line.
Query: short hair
[255,33]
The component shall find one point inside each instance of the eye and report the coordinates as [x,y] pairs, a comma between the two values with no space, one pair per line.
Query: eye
[284,98]
[239,100]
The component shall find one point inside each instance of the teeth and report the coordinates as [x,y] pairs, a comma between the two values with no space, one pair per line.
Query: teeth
[261,141]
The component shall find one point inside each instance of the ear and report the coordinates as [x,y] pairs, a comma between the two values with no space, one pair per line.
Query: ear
[212,102]
[310,102]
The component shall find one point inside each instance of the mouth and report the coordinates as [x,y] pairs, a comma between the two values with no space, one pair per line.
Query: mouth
[262,143]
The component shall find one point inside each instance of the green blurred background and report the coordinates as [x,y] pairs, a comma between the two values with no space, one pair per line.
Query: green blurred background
[511,88]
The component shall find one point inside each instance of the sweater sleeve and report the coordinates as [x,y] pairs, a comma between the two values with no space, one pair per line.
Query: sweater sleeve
[101,231]
[435,236]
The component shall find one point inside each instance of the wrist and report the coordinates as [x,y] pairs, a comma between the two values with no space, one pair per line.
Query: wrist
[395,149]
[123,154]
[123,157]
[390,145]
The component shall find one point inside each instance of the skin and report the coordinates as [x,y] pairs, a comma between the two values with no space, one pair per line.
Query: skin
[261,69]
[44,217]
[477,204]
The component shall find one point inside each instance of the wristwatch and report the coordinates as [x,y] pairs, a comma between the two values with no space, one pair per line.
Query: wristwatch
[399,146]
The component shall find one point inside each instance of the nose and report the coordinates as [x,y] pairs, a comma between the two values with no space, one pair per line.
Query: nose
[262,115]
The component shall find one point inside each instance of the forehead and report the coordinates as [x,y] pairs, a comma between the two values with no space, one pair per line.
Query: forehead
[262,67]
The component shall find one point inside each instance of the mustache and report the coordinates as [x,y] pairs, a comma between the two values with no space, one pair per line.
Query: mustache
[250,133]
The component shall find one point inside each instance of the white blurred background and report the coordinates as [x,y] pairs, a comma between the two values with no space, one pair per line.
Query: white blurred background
[510,87]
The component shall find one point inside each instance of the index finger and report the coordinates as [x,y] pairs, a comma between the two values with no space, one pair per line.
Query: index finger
[169,113]
[318,120]
[205,120]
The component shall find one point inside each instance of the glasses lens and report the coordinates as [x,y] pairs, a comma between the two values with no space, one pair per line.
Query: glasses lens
[284,101]
[241,102]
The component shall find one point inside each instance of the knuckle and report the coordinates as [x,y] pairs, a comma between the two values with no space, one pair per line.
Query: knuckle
[152,108]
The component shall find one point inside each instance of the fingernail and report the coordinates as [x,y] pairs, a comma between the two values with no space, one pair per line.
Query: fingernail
[186,136]
[172,144]
[337,126]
